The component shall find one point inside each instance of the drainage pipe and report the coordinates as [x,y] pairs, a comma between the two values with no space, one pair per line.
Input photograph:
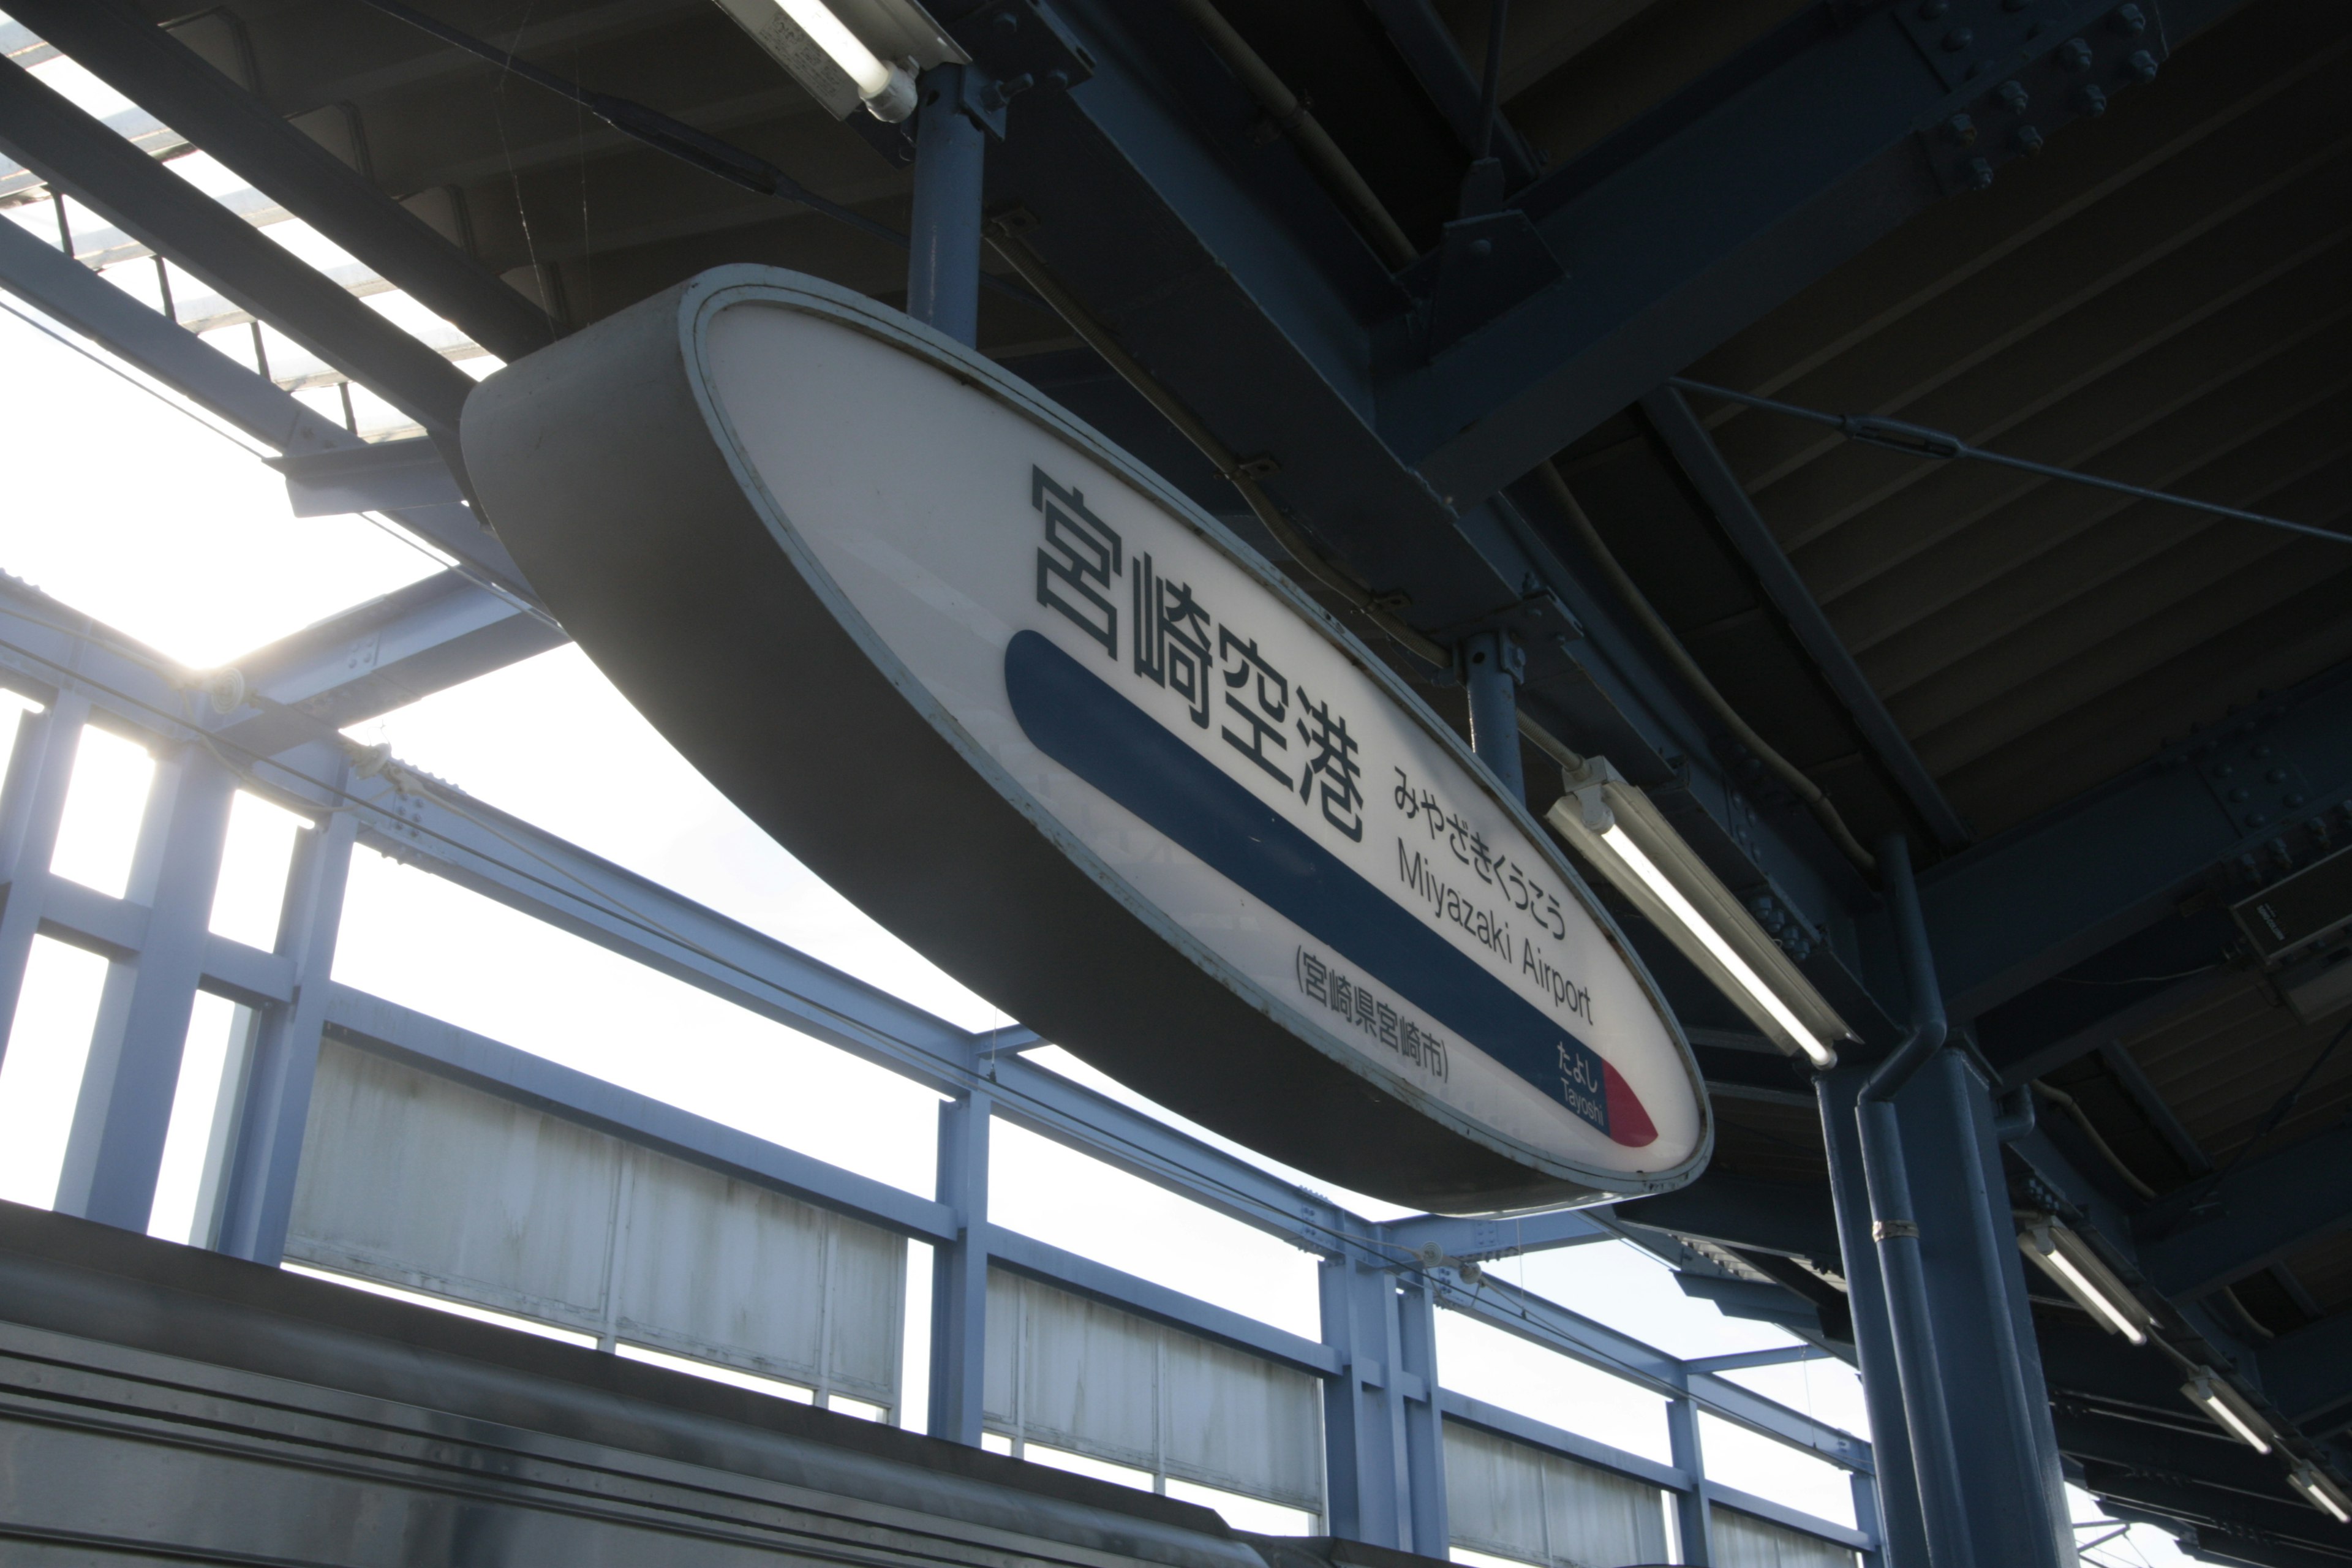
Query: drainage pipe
[1895,1227]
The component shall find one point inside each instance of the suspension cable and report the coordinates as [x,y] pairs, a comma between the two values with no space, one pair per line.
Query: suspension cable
[1920,441]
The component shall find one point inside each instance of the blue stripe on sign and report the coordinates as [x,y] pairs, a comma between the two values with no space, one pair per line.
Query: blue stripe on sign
[1082,723]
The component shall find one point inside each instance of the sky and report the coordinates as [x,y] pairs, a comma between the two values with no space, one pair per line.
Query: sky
[130,508]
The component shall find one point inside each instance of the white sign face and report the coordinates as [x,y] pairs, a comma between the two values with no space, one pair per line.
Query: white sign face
[1233,765]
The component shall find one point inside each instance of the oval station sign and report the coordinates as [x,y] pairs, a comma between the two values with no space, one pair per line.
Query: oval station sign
[1063,733]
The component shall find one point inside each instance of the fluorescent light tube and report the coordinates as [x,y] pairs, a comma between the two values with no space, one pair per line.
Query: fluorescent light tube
[2235,1423]
[850,54]
[1624,836]
[2067,1258]
[2323,1493]
[2090,1296]
[883,87]
[840,45]
[2219,1400]
[1712,939]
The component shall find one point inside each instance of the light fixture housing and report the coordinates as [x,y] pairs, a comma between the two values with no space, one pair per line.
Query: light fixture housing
[2320,1490]
[2069,1261]
[850,54]
[1616,829]
[2209,1393]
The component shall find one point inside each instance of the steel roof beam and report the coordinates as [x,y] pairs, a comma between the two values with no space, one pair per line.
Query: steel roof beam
[1690,224]
[2210,1454]
[2096,1211]
[2213,1232]
[2072,1014]
[432,635]
[380,476]
[44,132]
[2114,1405]
[329,469]
[2035,902]
[1796,1222]
[1435,61]
[63,289]
[1220,267]
[2236,1528]
[165,77]
[1693,450]
[2309,1372]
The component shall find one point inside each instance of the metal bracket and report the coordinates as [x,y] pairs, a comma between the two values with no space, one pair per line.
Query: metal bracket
[2256,785]
[1485,266]
[1538,627]
[983,99]
[1781,920]
[1473,649]
[1537,617]
[1019,45]
[2021,68]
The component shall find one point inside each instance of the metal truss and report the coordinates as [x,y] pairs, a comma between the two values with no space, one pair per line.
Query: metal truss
[165,77]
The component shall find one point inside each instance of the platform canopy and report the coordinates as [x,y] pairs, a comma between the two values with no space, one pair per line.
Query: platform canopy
[1502,375]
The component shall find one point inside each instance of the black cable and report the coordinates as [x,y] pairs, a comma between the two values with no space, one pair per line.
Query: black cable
[2286,1103]
[1919,441]
[743,170]
[2140,979]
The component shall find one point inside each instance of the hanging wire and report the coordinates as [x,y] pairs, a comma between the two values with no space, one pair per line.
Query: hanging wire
[2285,1103]
[2081,1119]
[1815,799]
[1920,441]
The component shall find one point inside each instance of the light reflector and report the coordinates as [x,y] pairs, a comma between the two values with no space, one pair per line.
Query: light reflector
[849,53]
[2322,1492]
[1617,831]
[840,46]
[2069,1261]
[2209,1393]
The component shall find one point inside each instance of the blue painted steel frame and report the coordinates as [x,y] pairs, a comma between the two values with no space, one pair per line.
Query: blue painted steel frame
[1377,1355]
[1649,295]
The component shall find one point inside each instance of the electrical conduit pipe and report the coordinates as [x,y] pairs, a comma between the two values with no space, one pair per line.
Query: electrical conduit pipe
[1895,1229]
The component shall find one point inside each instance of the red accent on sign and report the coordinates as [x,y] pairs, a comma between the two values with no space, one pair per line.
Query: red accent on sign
[1628,1123]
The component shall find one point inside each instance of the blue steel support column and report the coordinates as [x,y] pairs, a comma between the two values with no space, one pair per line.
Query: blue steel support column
[1973,1388]
[1894,1228]
[1368,1479]
[1868,1518]
[1492,666]
[275,1108]
[943,260]
[116,1148]
[1424,1424]
[40,771]
[1986,1356]
[959,1275]
[1901,1531]
[1694,1521]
